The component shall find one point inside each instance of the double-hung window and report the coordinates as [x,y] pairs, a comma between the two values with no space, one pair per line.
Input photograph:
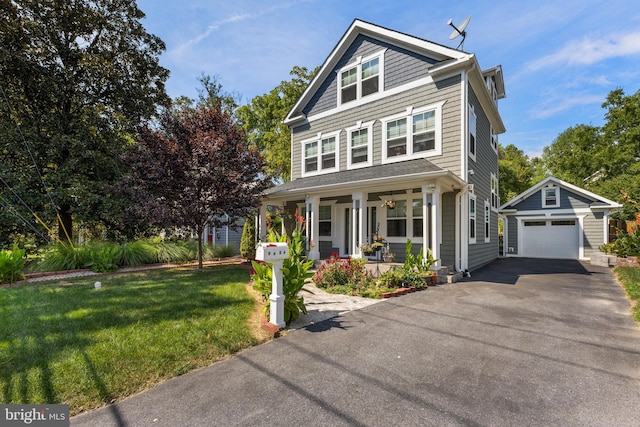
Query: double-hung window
[487,222]
[550,197]
[397,220]
[320,154]
[360,145]
[324,221]
[361,79]
[472,218]
[412,134]
[417,217]
[495,198]
[472,132]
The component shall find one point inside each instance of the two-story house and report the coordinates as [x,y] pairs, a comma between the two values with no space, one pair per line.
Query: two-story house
[396,135]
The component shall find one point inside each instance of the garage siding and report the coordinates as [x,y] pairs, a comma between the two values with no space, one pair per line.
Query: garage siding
[593,233]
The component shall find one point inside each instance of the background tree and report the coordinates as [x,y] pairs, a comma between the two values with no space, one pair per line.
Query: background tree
[262,120]
[195,168]
[77,77]
[516,172]
[576,155]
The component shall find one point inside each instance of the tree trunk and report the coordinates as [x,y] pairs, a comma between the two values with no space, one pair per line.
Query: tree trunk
[199,231]
[65,224]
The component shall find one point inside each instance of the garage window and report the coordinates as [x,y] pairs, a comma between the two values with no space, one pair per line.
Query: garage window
[535,223]
[566,222]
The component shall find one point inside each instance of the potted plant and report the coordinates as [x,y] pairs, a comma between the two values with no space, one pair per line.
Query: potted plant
[377,246]
[389,204]
[366,250]
[389,257]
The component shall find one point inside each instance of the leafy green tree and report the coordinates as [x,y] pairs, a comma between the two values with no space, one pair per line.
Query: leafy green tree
[516,172]
[576,155]
[248,239]
[195,168]
[77,77]
[262,120]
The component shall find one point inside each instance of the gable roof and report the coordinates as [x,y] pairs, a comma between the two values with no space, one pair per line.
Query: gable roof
[449,59]
[598,201]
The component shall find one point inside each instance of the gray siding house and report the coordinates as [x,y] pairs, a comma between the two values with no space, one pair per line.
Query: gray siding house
[396,135]
[555,219]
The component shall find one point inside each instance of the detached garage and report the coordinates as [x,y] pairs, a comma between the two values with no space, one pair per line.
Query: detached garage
[555,219]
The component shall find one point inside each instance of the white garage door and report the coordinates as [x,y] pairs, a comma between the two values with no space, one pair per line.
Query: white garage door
[550,239]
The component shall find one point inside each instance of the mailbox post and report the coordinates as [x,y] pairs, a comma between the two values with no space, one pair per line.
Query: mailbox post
[275,253]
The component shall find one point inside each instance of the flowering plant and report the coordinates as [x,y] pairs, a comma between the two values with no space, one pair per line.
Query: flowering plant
[389,204]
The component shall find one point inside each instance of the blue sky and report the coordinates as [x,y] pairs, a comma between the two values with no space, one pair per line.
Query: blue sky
[560,58]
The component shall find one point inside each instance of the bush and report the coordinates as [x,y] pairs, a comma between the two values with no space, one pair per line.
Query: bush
[171,252]
[11,264]
[135,253]
[343,272]
[66,257]
[625,244]
[248,240]
[223,251]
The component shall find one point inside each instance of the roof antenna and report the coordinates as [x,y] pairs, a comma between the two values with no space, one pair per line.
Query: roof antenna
[459,31]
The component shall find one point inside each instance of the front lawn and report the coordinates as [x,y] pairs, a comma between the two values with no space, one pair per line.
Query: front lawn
[630,279]
[67,342]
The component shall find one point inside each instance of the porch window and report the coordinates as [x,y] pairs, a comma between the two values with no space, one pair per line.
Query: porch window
[417,217]
[472,219]
[397,220]
[324,221]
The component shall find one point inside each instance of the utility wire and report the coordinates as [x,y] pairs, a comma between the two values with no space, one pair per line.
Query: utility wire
[10,207]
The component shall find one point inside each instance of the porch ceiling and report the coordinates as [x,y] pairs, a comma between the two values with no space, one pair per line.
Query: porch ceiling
[412,172]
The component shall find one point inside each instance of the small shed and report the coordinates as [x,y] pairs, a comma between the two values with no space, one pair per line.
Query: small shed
[555,219]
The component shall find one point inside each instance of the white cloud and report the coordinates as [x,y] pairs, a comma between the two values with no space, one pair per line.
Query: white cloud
[562,102]
[590,50]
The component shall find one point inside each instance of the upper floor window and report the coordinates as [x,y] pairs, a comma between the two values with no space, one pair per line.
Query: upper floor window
[320,154]
[361,79]
[360,146]
[495,198]
[494,141]
[413,133]
[550,197]
[472,132]
[487,222]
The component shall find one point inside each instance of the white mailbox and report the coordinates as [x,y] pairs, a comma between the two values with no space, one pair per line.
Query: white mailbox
[272,251]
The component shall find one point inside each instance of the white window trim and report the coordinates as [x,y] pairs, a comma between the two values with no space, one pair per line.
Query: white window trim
[472,240]
[358,64]
[487,221]
[544,199]
[408,114]
[497,191]
[332,221]
[494,140]
[472,111]
[318,138]
[360,125]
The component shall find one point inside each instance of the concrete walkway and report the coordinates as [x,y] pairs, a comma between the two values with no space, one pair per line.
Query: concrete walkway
[521,343]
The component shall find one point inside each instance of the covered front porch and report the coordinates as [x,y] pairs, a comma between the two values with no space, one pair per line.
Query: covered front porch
[347,211]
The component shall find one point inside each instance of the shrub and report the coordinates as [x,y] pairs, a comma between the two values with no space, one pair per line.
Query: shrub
[11,264]
[626,245]
[105,259]
[65,257]
[135,253]
[171,252]
[248,240]
[223,251]
[343,272]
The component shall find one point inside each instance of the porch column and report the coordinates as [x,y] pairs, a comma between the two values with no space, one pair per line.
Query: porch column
[313,242]
[261,223]
[436,225]
[358,225]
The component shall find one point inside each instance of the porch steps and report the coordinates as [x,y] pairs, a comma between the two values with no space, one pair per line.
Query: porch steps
[448,274]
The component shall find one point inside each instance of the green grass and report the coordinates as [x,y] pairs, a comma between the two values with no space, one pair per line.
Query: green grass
[67,342]
[630,279]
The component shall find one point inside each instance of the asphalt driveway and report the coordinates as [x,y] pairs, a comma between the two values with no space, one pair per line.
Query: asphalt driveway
[521,343]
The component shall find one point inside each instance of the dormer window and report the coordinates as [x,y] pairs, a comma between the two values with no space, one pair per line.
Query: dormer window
[361,79]
[550,197]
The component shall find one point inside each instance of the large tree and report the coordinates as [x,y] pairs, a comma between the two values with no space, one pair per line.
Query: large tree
[196,168]
[76,78]
[262,120]
[516,172]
